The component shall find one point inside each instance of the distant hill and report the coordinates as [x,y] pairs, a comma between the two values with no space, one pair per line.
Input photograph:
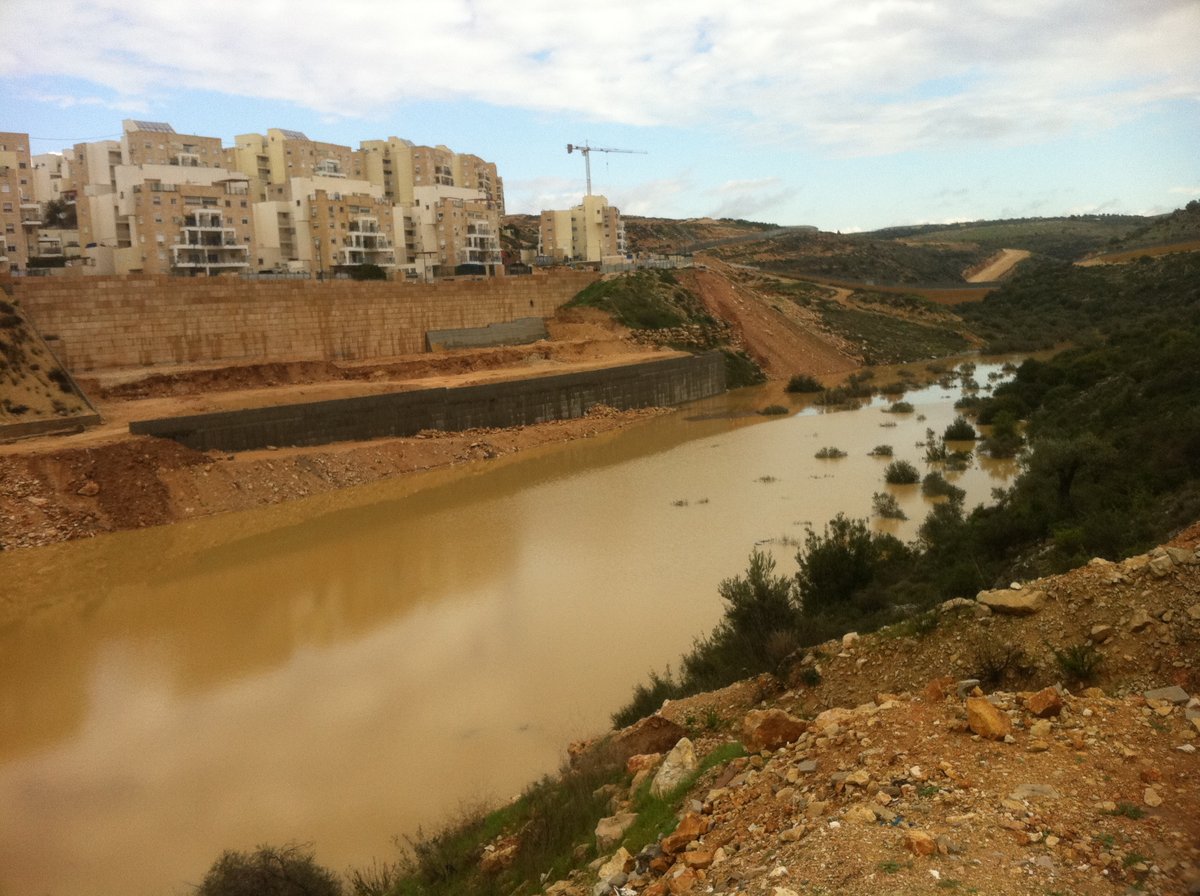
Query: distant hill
[1067,239]
[1181,226]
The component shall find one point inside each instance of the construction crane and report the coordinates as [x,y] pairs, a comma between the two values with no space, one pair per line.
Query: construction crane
[586,151]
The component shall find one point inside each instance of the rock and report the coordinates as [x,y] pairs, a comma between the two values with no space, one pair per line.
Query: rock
[966,686]
[1141,620]
[860,815]
[653,734]
[985,720]
[1035,792]
[675,769]
[935,691]
[1013,603]
[641,762]
[1100,633]
[691,827]
[499,855]
[697,858]
[618,864]
[1040,729]
[1161,565]
[849,640]
[955,604]
[89,489]
[1151,797]
[609,831]
[919,843]
[858,778]
[1180,556]
[1173,694]
[806,766]
[1045,703]
[1194,612]
[770,729]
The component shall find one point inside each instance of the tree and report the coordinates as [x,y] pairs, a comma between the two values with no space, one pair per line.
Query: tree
[844,560]
[269,871]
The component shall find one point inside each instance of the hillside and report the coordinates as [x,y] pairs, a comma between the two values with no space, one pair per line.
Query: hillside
[964,756]
[33,385]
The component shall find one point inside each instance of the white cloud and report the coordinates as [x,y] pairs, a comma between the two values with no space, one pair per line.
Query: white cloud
[866,78]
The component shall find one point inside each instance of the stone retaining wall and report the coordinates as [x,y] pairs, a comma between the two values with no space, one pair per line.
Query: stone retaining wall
[663,383]
[101,323]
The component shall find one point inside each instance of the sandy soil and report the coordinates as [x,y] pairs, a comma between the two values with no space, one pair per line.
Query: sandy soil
[999,265]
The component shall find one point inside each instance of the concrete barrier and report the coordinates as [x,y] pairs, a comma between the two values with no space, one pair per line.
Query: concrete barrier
[663,383]
[518,332]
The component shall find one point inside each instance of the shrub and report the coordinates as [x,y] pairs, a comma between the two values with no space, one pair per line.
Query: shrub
[881,451]
[830,453]
[367,272]
[901,472]
[1078,662]
[935,485]
[741,369]
[773,410]
[900,407]
[960,431]
[997,662]
[802,382]
[887,506]
[837,564]
[269,871]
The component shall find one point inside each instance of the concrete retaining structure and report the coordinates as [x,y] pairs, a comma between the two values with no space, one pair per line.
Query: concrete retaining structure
[104,323]
[518,332]
[663,383]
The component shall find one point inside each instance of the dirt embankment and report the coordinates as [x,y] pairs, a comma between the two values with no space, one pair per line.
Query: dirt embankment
[891,764]
[60,488]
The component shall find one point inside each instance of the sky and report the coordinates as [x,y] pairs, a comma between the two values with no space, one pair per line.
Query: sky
[844,114]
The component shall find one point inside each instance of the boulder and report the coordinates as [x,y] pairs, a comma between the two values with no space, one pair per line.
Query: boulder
[919,843]
[1045,703]
[653,734]
[499,855]
[675,769]
[770,729]
[620,862]
[1013,603]
[691,827]
[1173,694]
[985,720]
[610,831]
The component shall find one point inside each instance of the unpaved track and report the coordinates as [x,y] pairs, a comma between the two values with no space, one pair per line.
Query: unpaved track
[999,266]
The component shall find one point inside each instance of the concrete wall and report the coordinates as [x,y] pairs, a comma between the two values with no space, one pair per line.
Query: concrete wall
[99,323]
[518,332]
[653,383]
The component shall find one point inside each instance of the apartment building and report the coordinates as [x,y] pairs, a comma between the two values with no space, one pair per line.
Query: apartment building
[591,232]
[20,215]
[157,201]
[456,227]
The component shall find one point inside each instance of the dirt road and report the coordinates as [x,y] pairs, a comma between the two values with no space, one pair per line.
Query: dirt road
[998,266]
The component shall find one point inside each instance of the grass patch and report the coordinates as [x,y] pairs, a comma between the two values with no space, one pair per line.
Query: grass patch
[1127,810]
[1079,662]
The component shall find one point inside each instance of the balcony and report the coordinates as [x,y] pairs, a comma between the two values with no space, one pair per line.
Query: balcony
[186,160]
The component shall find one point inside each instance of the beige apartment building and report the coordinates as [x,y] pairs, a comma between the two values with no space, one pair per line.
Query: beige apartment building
[157,202]
[590,232]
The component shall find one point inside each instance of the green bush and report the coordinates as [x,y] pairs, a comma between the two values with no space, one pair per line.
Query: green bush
[773,410]
[840,562]
[367,272]
[802,382]
[960,431]
[829,453]
[900,407]
[935,485]
[269,871]
[741,370]
[881,451]
[1079,662]
[887,507]
[901,472]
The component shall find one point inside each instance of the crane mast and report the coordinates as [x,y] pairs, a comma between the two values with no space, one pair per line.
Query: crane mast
[586,151]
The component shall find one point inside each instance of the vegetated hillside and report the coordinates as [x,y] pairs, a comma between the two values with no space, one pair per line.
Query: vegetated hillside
[667,236]
[858,258]
[518,233]
[1067,238]
[1181,226]
[882,328]
[33,385]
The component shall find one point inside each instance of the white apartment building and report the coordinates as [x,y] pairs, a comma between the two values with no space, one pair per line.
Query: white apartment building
[157,201]
[590,232]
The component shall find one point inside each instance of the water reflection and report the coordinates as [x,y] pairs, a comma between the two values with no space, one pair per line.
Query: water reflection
[345,668]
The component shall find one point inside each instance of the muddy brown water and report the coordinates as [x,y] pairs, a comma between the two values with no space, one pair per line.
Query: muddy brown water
[345,669]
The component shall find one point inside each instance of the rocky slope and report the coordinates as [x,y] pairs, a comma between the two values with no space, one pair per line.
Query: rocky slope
[909,762]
